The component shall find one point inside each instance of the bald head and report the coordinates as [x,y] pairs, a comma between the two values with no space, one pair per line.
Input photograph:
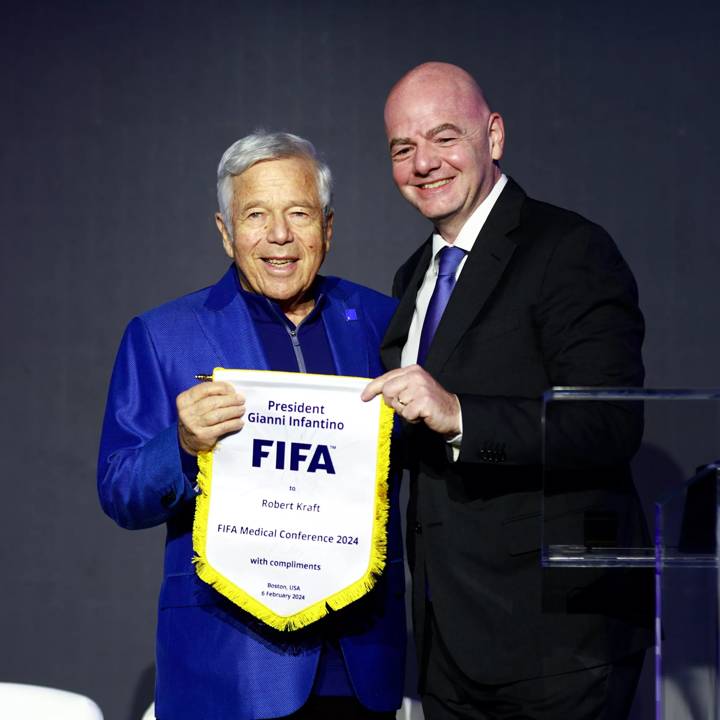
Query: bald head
[444,143]
[438,79]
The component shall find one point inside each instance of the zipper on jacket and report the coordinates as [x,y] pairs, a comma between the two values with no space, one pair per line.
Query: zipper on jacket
[293,332]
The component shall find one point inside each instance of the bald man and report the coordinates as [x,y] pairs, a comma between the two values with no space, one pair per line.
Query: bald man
[508,297]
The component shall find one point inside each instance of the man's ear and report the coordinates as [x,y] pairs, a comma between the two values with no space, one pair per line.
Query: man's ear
[496,135]
[328,230]
[225,235]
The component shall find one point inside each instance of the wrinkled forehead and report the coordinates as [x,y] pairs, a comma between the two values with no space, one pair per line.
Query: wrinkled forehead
[275,176]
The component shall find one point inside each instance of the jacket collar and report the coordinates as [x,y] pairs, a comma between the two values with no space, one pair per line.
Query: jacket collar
[229,329]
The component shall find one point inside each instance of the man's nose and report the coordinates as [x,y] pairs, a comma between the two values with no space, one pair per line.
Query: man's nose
[279,230]
[426,158]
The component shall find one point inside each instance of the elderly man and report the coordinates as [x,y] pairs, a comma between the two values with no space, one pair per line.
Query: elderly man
[507,298]
[270,311]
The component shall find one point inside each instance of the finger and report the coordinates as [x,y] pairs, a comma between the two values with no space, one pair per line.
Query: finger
[205,405]
[372,389]
[397,405]
[206,438]
[206,414]
[222,390]
[395,388]
[205,390]
[412,378]
[209,412]
[376,386]
[227,427]
[219,415]
[230,427]
[214,402]
[409,411]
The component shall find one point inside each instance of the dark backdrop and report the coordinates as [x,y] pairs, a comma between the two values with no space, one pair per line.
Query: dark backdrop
[113,118]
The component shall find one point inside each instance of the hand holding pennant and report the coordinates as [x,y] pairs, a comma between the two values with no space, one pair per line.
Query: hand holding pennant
[293,509]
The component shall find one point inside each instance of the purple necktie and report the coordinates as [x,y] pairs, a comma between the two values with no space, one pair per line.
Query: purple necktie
[450,258]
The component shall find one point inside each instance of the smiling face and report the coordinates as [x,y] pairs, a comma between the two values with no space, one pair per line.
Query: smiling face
[279,240]
[444,142]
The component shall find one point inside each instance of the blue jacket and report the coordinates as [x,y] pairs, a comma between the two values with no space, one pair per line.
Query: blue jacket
[213,660]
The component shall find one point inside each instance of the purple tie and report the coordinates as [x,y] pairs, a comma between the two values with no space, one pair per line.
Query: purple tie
[450,258]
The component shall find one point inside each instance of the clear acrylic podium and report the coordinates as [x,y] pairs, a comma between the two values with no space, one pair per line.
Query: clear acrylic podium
[596,444]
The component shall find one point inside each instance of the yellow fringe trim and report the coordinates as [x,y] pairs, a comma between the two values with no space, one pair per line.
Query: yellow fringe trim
[340,599]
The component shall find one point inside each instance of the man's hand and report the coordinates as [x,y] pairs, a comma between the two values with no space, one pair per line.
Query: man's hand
[417,397]
[206,412]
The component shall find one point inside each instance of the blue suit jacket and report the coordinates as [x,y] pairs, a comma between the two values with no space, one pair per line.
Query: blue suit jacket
[213,660]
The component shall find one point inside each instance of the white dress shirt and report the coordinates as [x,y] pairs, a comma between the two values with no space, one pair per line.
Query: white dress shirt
[465,240]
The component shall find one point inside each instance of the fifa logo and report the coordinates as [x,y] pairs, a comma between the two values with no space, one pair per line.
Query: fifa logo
[298,454]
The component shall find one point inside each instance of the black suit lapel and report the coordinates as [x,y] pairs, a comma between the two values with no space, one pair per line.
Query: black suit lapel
[396,334]
[482,271]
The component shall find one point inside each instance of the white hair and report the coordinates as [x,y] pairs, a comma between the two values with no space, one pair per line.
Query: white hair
[259,146]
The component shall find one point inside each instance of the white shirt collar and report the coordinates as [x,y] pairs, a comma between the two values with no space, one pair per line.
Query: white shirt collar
[474,224]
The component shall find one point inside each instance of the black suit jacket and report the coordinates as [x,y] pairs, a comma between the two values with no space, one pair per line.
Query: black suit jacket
[544,299]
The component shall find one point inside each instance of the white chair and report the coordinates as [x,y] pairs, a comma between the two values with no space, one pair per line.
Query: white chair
[411,709]
[33,702]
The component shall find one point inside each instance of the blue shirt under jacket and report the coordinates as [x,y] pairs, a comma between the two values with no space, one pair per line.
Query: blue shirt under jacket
[215,661]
